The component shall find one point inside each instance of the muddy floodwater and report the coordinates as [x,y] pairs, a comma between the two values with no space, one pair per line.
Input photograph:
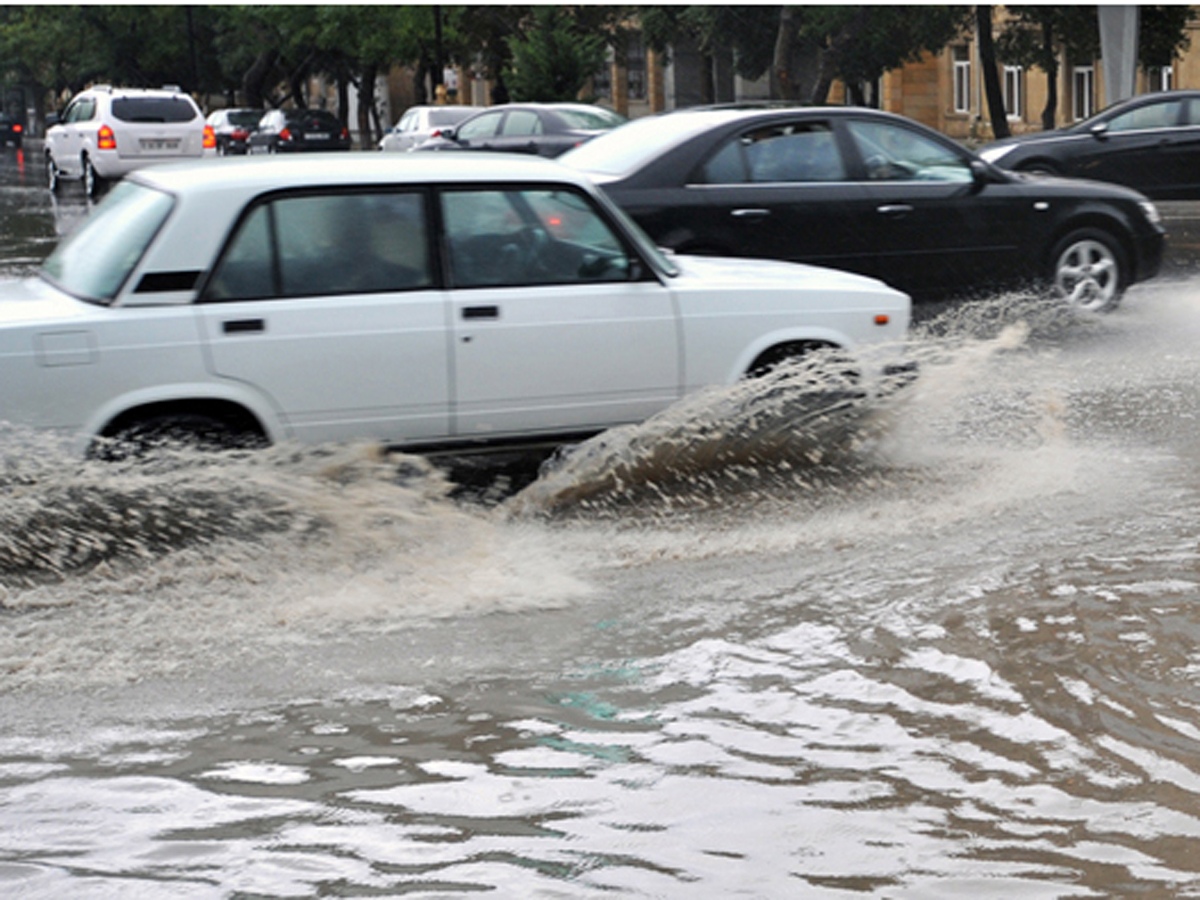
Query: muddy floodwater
[943,642]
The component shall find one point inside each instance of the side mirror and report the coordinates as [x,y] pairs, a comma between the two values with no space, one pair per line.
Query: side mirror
[981,174]
[1099,131]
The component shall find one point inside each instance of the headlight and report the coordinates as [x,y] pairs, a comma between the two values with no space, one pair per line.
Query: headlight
[1151,212]
[991,154]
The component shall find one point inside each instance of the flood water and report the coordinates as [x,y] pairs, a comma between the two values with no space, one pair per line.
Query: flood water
[944,644]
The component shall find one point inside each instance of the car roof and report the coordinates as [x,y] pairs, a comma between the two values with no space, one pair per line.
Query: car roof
[256,175]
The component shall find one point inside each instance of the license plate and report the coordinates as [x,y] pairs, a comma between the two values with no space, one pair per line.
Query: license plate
[317,135]
[164,144]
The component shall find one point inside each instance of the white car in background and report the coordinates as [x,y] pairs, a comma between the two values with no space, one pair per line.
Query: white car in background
[107,132]
[419,123]
[424,301]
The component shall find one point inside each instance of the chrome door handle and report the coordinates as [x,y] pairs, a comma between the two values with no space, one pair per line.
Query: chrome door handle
[894,209]
[750,213]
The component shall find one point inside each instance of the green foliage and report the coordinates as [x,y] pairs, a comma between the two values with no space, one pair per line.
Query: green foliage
[554,58]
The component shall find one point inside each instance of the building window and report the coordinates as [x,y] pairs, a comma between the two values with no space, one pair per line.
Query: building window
[1161,78]
[635,62]
[1083,92]
[1014,78]
[962,79]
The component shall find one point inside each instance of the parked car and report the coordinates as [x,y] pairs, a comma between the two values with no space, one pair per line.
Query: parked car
[1150,143]
[107,132]
[872,193]
[545,129]
[296,130]
[11,131]
[422,301]
[232,129]
[420,123]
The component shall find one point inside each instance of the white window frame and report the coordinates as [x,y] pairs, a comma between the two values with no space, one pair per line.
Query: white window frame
[1014,82]
[962,80]
[1083,92]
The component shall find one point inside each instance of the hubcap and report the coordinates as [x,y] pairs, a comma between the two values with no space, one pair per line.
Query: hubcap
[1087,275]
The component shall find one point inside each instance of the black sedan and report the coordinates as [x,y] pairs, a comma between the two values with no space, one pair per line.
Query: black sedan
[873,193]
[547,129]
[1151,143]
[232,129]
[296,130]
[12,131]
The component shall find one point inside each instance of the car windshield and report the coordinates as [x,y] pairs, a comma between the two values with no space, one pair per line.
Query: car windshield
[245,118]
[153,109]
[450,116]
[625,149]
[94,261]
[596,119]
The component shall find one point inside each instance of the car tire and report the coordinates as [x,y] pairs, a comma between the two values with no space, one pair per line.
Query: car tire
[1088,270]
[1040,167]
[53,178]
[176,430]
[93,184]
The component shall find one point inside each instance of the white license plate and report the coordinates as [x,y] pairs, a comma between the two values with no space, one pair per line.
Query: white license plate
[165,144]
[317,135]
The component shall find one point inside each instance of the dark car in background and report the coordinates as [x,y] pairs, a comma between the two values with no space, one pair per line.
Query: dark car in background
[873,193]
[546,129]
[1150,143]
[297,130]
[232,129]
[12,132]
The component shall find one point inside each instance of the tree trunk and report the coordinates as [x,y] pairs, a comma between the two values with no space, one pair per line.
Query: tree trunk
[1050,113]
[256,77]
[991,76]
[366,105]
[783,83]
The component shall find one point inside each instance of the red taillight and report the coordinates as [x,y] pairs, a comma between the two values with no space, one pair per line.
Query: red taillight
[17,129]
[285,135]
[436,133]
[105,139]
[210,137]
[345,134]
[239,134]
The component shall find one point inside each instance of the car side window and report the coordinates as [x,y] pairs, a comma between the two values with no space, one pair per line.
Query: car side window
[726,166]
[511,238]
[804,151]
[521,122]
[322,245]
[81,111]
[483,127]
[895,153]
[1152,115]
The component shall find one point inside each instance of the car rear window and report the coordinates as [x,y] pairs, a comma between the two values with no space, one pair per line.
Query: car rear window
[153,109]
[591,120]
[245,118]
[94,260]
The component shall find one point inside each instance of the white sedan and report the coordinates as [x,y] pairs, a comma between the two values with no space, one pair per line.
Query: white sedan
[424,301]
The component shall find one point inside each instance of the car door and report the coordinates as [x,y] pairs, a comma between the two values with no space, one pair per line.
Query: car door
[1136,148]
[66,138]
[933,226]
[776,190]
[1184,183]
[555,329]
[520,132]
[478,132]
[327,305]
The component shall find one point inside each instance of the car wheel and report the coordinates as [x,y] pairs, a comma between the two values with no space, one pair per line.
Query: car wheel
[53,180]
[825,364]
[93,184]
[1089,270]
[176,430]
[1040,168]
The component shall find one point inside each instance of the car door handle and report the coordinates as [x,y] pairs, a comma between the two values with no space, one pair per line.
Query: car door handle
[481,312]
[750,213]
[243,326]
[894,209]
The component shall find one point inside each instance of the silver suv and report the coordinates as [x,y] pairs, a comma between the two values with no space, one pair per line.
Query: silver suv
[107,132]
